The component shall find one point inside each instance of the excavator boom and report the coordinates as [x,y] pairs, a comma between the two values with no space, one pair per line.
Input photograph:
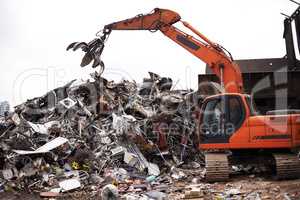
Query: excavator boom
[152,21]
[210,53]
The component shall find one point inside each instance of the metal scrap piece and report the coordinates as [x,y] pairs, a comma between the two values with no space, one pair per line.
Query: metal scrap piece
[45,148]
[69,184]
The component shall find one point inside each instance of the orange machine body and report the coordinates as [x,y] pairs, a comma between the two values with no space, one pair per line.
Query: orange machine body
[255,131]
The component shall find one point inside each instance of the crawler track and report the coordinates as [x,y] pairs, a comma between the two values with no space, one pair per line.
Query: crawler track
[217,168]
[287,166]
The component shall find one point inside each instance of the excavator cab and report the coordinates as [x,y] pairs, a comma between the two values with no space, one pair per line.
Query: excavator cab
[221,116]
[230,121]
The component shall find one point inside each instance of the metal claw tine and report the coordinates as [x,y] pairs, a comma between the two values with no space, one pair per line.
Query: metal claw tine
[96,62]
[87,59]
[70,46]
[81,45]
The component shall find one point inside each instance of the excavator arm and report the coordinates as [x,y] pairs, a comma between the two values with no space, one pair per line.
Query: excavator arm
[212,54]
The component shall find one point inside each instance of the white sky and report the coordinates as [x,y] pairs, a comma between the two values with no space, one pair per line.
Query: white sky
[34,35]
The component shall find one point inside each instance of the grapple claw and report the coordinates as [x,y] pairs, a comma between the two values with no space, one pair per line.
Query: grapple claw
[93,50]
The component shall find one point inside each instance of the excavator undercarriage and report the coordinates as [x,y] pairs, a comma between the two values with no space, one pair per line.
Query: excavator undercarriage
[281,165]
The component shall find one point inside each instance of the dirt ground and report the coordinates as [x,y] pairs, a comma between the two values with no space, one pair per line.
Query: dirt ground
[246,187]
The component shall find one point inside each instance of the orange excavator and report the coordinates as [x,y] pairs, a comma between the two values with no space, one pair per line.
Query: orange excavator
[230,129]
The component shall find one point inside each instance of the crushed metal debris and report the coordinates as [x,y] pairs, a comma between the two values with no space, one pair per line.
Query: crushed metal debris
[119,138]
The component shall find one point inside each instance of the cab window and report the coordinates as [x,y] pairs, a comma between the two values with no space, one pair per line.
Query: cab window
[213,111]
[235,112]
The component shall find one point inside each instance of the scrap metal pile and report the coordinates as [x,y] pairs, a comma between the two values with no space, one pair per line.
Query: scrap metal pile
[99,135]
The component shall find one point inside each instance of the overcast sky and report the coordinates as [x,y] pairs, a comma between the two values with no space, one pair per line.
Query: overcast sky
[34,35]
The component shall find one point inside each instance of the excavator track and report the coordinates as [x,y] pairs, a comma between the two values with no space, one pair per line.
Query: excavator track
[287,166]
[217,168]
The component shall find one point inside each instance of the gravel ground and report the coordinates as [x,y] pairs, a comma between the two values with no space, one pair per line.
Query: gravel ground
[266,188]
